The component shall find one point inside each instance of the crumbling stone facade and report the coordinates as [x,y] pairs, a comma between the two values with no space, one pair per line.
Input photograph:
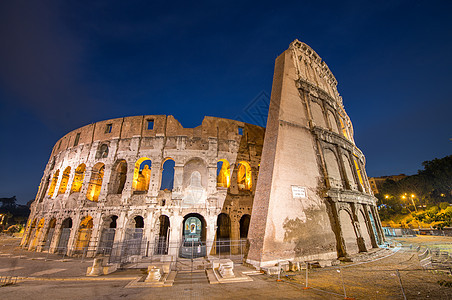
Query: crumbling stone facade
[105,183]
[313,200]
[146,178]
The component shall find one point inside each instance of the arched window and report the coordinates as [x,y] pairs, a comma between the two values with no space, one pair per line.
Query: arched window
[64,180]
[84,234]
[54,183]
[168,175]
[142,175]
[244,180]
[332,168]
[118,177]
[244,226]
[348,171]
[348,232]
[95,183]
[360,176]
[317,114]
[78,179]
[223,173]
[333,122]
[344,129]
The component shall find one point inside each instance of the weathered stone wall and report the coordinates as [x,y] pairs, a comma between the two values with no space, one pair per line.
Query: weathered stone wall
[309,147]
[113,148]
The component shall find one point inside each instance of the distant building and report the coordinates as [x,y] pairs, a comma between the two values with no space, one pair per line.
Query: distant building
[377,182]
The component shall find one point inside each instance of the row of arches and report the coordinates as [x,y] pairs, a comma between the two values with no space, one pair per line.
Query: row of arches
[141,177]
[343,171]
[359,233]
[244,175]
[194,229]
[324,116]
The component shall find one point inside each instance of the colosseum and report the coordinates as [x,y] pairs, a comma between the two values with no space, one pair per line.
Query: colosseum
[142,186]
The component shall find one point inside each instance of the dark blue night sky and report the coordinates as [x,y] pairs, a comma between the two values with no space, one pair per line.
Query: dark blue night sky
[66,64]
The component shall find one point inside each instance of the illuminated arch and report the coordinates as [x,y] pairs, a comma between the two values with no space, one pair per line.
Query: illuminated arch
[34,242]
[64,180]
[54,183]
[84,233]
[142,174]
[244,180]
[78,178]
[95,183]
[223,173]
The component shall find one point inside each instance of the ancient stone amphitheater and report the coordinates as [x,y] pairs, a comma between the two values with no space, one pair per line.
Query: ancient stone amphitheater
[144,185]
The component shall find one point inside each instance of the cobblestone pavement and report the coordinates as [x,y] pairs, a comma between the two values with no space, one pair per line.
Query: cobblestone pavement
[55,278]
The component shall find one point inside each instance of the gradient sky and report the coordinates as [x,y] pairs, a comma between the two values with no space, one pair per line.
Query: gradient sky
[65,65]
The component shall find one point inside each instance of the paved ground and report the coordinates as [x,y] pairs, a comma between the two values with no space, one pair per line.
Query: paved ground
[57,279]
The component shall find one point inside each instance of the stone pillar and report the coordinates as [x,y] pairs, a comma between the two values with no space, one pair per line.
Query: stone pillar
[95,234]
[178,181]
[56,235]
[154,184]
[211,179]
[373,238]
[359,235]
[74,233]
[86,180]
[175,235]
[105,180]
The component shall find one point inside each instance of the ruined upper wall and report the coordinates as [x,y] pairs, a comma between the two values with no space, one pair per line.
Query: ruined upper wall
[165,126]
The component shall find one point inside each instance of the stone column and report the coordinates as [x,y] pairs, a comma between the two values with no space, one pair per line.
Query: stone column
[178,181]
[56,235]
[96,232]
[359,235]
[105,180]
[74,233]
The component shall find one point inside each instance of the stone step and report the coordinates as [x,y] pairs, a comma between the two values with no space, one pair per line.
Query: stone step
[190,278]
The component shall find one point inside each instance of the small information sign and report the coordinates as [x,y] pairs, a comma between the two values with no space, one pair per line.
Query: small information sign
[298,191]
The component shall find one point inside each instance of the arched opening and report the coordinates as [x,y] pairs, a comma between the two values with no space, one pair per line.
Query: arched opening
[64,180]
[332,167]
[118,177]
[53,183]
[107,235]
[374,227]
[223,233]
[244,226]
[84,234]
[223,173]
[244,180]
[102,151]
[66,227]
[360,176]
[142,175]
[193,236]
[34,242]
[95,183]
[78,179]
[31,231]
[364,230]
[317,114]
[167,182]
[133,237]
[348,232]
[344,129]
[348,172]
[162,239]
[333,122]
[49,235]
[42,192]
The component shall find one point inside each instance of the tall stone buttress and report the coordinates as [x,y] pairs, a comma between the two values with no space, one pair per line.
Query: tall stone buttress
[312,193]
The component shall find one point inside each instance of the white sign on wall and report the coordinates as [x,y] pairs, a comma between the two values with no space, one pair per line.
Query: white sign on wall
[298,192]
